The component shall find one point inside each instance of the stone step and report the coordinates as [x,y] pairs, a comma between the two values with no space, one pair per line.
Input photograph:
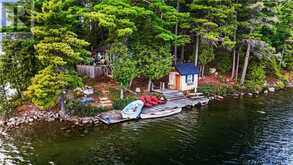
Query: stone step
[105,105]
[106,102]
[104,98]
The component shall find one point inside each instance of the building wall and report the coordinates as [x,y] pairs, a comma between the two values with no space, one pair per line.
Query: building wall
[172,80]
[184,86]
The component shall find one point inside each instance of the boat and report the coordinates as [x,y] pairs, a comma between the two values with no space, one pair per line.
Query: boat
[204,101]
[111,117]
[160,113]
[130,112]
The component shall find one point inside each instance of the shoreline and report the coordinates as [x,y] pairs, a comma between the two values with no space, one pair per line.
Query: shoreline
[32,117]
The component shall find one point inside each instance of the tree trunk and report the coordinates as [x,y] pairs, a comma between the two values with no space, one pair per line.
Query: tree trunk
[196,50]
[233,65]
[176,33]
[245,64]
[130,83]
[237,65]
[150,85]
[15,17]
[61,102]
[121,92]
[182,54]
[202,71]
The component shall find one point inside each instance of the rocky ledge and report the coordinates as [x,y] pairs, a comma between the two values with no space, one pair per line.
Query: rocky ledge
[44,116]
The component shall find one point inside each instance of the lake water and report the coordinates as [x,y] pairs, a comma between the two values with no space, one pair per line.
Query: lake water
[255,131]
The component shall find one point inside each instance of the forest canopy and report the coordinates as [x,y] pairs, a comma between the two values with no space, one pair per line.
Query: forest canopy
[245,39]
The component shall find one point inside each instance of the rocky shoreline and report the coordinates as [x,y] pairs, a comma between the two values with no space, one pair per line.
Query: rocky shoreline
[45,116]
[51,116]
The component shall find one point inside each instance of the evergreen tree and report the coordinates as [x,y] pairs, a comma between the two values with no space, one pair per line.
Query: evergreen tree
[214,21]
[58,49]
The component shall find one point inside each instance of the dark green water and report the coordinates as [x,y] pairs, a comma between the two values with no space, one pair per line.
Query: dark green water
[256,130]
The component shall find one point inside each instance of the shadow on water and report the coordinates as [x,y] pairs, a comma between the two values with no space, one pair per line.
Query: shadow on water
[256,130]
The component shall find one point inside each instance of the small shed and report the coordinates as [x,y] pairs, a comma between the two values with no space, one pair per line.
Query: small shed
[184,78]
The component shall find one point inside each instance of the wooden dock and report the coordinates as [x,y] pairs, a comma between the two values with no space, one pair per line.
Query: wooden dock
[175,99]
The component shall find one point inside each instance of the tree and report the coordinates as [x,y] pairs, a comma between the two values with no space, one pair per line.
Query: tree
[212,21]
[124,66]
[249,23]
[288,54]
[153,62]
[58,50]
[19,64]
[206,56]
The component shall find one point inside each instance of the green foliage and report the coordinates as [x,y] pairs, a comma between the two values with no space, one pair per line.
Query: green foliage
[214,89]
[114,93]
[59,47]
[252,86]
[119,104]
[58,50]
[153,62]
[140,34]
[214,20]
[46,88]
[256,78]
[280,85]
[75,108]
[257,74]
[206,55]
[288,54]
[276,68]
[124,70]
[18,63]
[223,63]
[124,66]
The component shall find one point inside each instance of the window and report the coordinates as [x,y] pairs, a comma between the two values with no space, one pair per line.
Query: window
[189,79]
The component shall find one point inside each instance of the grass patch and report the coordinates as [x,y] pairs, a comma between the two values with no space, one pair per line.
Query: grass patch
[119,104]
[75,108]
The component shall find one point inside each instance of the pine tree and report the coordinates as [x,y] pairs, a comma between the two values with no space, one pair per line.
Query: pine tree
[212,21]
[58,50]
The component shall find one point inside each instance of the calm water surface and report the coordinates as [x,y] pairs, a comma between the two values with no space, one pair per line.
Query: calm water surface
[257,131]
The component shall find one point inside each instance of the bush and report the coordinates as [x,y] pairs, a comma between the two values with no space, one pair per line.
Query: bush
[280,85]
[290,66]
[257,74]
[119,104]
[253,86]
[114,93]
[206,89]
[75,108]
[214,89]
[256,78]
[223,63]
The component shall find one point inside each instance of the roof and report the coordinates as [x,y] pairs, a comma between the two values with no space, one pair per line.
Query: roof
[186,69]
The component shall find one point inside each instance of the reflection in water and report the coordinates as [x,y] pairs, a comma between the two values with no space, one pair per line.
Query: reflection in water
[248,131]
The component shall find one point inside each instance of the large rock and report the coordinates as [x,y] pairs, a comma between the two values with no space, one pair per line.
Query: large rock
[272,89]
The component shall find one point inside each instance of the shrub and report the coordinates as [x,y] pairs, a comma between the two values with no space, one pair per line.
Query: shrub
[257,74]
[223,63]
[214,89]
[119,104]
[114,93]
[253,86]
[290,66]
[280,85]
[256,78]
[206,89]
[75,108]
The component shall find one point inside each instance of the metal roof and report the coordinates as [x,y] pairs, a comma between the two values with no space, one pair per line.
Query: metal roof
[186,69]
